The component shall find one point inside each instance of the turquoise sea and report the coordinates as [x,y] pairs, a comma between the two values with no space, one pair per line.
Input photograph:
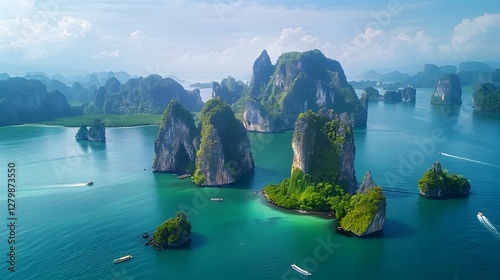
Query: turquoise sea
[65,230]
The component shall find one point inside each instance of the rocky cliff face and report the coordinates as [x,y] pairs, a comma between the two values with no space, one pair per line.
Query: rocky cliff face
[408,94]
[301,82]
[224,154]
[175,145]
[347,153]
[392,95]
[256,118]
[448,91]
[315,137]
[303,142]
[371,94]
[486,98]
[97,131]
[378,219]
[82,133]
[262,70]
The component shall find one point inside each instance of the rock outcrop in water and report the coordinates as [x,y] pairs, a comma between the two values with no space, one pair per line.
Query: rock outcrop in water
[224,153]
[368,215]
[174,232]
[176,143]
[408,94]
[378,219]
[322,176]
[392,95]
[437,183]
[82,133]
[371,94]
[96,132]
[486,98]
[218,151]
[300,82]
[448,91]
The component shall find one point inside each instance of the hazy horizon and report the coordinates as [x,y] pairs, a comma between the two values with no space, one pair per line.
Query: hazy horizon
[209,40]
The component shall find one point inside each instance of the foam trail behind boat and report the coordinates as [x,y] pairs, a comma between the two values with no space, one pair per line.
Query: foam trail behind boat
[488,225]
[468,159]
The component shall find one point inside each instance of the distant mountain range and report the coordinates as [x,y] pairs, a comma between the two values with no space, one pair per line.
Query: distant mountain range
[470,73]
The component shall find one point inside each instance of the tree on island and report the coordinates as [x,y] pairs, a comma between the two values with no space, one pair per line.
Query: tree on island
[173,232]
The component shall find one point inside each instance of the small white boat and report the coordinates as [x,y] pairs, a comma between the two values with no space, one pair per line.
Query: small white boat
[220,199]
[122,259]
[300,270]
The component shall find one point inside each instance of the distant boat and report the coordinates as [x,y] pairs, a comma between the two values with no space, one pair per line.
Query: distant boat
[89,184]
[301,271]
[220,199]
[184,176]
[441,153]
[122,259]
[480,214]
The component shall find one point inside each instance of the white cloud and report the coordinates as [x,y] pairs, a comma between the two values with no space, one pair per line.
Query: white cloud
[292,39]
[135,34]
[105,54]
[472,35]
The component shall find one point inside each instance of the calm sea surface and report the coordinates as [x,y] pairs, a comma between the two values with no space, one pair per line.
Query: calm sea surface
[65,230]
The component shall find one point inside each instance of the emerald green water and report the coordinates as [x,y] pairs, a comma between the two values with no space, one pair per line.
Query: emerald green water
[69,231]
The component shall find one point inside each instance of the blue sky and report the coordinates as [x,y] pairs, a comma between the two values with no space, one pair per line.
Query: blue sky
[208,40]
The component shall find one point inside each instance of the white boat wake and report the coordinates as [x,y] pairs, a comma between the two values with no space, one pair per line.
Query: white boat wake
[488,225]
[468,159]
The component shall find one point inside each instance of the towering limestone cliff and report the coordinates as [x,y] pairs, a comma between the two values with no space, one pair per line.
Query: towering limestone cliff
[486,98]
[262,69]
[368,214]
[323,146]
[300,82]
[224,153]
[218,151]
[175,145]
[448,91]
[322,173]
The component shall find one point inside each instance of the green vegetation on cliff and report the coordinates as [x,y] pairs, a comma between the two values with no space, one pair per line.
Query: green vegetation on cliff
[436,182]
[218,123]
[360,210]
[173,232]
[176,110]
[301,81]
[320,189]
[486,98]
